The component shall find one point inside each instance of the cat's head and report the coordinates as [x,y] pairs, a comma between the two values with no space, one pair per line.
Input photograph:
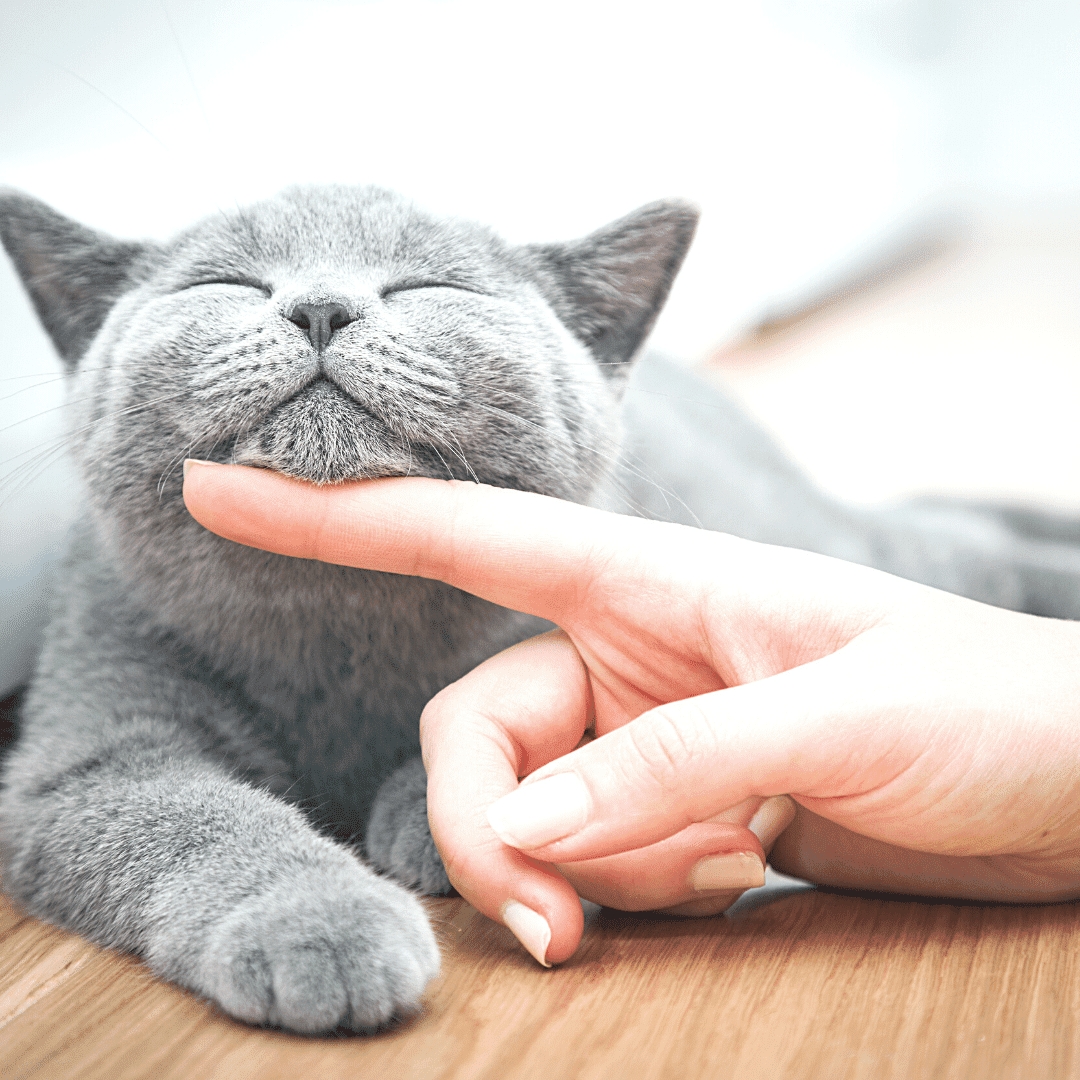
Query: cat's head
[335,333]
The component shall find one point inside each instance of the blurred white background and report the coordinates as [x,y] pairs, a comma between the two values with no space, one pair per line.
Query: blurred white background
[803,142]
[814,134]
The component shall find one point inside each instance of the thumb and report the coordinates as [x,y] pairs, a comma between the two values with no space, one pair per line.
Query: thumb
[685,762]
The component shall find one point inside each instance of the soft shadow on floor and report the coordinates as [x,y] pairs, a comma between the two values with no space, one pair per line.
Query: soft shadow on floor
[777,887]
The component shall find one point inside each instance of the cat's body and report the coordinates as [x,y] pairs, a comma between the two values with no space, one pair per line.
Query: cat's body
[204,742]
[728,475]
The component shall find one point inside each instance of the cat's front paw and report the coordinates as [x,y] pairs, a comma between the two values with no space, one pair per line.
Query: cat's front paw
[398,837]
[324,949]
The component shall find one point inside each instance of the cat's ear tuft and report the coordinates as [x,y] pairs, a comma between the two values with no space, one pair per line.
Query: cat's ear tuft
[609,287]
[73,274]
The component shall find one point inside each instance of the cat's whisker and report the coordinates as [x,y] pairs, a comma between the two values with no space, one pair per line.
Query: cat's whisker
[614,455]
[461,454]
[407,454]
[62,436]
[66,404]
[15,480]
[175,460]
[19,479]
[188,451]
[449,471]
[697,402]
[44,412]
[52,372]
[34,386]
[286,792]
[51,376]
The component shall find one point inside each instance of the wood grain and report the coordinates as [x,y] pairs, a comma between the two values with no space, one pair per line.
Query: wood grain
[804,984]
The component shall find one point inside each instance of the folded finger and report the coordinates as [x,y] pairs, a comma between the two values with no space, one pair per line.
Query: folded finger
[704,868]
[682,763]
[701,862]
[513,713]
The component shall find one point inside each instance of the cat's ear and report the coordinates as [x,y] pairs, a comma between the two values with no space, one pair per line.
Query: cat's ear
[609,287]
[73,274]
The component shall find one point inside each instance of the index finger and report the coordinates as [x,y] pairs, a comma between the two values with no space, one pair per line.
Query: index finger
[514,548]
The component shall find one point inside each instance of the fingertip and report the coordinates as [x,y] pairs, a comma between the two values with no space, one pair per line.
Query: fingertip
[728,870]
[204,484]
[704,907]
[771,818]
[541,904]
[567,931]
[536,815]
[191,463]
[530,928]
[533,900]
[255,507]
[196,472]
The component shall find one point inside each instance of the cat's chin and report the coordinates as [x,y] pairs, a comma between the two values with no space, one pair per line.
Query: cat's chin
[361,460]
[326,471]
[334,473]
[325,437]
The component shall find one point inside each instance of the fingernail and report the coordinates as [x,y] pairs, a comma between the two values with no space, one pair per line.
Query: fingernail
[772,818]
[188,462]
[706,907]
[737,870]
[530,928]
[541,813]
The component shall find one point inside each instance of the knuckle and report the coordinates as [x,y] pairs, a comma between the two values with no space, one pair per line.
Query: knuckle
[668,743]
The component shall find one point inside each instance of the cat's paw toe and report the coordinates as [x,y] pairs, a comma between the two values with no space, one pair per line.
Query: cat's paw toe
[398,837]
[328,950]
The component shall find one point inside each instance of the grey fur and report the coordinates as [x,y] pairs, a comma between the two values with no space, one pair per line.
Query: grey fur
[211,728]
[398,837]
[1007,556]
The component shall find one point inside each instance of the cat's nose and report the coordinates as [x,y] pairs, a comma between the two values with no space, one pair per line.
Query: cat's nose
[319,321]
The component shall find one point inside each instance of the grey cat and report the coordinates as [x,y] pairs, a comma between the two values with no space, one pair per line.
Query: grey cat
[214,732]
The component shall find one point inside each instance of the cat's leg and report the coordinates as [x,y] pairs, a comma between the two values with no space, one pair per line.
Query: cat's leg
[131,832]
[976,553]
[398,838]
[1048,577]
[1027,522]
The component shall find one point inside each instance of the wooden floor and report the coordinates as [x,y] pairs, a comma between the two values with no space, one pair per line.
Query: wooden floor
[810,984]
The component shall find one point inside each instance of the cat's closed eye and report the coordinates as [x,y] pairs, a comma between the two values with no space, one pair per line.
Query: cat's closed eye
[235,282]
[418,284]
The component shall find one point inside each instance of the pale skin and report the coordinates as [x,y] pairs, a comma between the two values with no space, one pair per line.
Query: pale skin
[858,729]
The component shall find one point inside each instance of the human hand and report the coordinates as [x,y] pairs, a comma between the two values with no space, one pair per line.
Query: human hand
[930,742]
